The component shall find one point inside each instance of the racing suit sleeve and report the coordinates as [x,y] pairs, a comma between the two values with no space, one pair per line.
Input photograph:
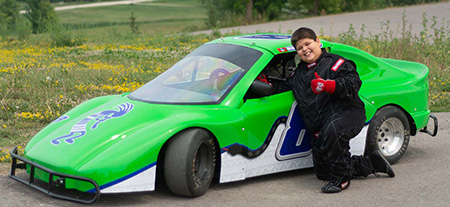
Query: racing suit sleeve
[280,86]
[348,82]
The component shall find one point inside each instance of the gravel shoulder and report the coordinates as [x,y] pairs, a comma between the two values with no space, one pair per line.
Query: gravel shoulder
[4,168]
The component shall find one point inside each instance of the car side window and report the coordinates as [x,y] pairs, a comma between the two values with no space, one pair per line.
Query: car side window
[274,74]
[281,66]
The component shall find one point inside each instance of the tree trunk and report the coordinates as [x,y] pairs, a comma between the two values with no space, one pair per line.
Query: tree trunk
[249,11]
[315,7]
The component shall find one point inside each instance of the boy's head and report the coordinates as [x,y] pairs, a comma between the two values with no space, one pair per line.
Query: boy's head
[301,33]
[307,44]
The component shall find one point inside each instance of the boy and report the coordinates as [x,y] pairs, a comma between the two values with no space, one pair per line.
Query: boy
[326,88]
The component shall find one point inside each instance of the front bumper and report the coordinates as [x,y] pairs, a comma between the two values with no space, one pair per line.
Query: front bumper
[55,186]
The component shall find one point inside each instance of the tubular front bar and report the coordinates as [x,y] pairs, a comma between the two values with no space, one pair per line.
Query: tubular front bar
[52,185]
[435,130]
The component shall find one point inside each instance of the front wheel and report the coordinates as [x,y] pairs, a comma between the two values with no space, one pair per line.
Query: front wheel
[389,132]
[190,162]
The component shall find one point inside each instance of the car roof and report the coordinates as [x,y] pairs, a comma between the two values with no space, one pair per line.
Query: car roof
[274,42]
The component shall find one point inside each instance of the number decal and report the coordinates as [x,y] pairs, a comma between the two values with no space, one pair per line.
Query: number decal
[300,137]
[296,140]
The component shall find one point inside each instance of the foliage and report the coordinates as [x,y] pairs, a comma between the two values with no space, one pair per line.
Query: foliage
[22,29]
[134,27]
[41,14]
[213,16]
[294,9]
[360,5]
[233,11]
[60,36]
[12,24]
[270,9]
[431,47]
[265,9]
[326,7]
[9,13]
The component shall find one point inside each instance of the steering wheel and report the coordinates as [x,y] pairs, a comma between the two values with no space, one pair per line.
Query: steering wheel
[216,74]
[288,67]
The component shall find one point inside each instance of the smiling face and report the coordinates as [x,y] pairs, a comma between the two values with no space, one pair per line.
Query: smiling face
[308,49]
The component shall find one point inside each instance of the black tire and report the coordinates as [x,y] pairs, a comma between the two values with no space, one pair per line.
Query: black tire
[389,132]
[189,162]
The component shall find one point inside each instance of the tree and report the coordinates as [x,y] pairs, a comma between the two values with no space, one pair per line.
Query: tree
[266,9]
[41,15]
[9,13]
[133,25]
[249,11]
[316,7]
[221,11]
[269,9]
[294,9]
[213,16]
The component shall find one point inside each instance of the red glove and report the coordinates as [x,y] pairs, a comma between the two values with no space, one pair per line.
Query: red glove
[318,85]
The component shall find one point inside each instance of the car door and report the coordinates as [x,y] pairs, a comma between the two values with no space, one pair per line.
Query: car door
[275,118]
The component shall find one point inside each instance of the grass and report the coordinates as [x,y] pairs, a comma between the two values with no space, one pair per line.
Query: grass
[41,81]
[158,16]
[431,47]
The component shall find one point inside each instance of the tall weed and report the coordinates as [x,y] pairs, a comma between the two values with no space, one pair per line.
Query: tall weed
[431,47]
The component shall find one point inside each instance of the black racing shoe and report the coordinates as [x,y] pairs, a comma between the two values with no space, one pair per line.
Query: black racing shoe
[380,164]
[335,186]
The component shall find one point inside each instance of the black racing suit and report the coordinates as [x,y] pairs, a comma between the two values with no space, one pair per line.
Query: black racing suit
[336,117]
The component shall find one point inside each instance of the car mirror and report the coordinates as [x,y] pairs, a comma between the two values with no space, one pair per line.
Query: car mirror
[259,89]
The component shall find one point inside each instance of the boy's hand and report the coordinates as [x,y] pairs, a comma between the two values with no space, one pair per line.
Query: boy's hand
[318,85]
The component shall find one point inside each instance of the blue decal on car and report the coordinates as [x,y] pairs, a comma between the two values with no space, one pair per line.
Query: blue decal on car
[80,128]
[61,118]
[265,37]
[114,182]
[296,139]
[236,148]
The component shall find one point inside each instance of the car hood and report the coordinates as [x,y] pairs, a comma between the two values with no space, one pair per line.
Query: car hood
[107,131]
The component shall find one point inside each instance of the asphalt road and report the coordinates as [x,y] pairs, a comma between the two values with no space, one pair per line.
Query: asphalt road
[422,179]
[422,175]
[332,25]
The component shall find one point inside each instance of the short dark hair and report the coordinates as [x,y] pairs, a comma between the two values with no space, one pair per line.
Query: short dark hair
[302,33]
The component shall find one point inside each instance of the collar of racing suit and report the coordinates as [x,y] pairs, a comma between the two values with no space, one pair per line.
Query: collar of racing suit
[310,65]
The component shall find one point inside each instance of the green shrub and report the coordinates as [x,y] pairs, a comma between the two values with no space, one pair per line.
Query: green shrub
[9,16]
[9,12]
[41,15]
[22,29]
[63,37]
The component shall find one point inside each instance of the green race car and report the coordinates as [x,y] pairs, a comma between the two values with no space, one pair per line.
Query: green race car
[207,116]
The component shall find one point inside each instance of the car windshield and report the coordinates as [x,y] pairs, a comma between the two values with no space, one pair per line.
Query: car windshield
[205,76]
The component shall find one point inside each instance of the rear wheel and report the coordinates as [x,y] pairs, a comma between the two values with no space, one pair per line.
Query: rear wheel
[389,132]
[190,162]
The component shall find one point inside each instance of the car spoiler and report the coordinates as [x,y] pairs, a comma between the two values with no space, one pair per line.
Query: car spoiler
[55,188]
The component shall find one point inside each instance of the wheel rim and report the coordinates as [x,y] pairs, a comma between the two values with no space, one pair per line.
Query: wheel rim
[201,162]
[391,136]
